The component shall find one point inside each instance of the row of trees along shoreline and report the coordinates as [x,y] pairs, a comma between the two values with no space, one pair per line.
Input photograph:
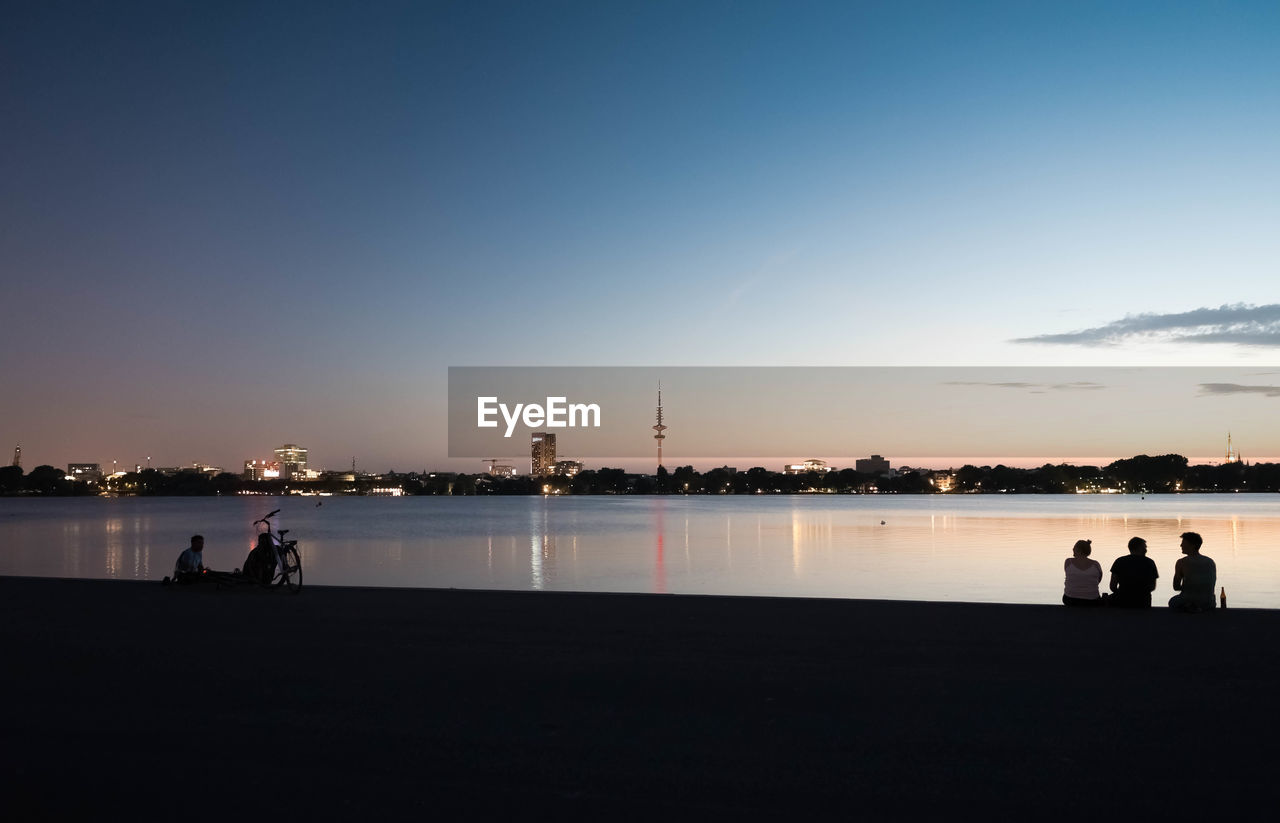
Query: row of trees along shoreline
[1164,474]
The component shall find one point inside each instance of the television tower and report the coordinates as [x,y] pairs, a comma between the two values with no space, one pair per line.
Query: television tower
[659,428]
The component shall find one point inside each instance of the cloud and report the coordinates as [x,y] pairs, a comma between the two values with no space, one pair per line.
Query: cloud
[1035,388]
[1239,324]
[1236,388]
[1078,385]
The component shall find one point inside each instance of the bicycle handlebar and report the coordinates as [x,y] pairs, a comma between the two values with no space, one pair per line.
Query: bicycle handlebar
[266,517]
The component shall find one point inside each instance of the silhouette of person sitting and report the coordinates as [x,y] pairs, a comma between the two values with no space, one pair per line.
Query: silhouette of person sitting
[190,563]
[1082,577]
[1133,578]
[1194,577]
[260,565]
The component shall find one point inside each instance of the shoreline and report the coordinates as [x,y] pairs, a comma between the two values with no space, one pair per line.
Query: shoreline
[630,705]
[672,494]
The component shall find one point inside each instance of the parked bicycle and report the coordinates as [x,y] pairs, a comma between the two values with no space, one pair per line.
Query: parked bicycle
[287,571]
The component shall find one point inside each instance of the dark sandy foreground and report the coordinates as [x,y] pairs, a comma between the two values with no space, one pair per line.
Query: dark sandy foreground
[124,697]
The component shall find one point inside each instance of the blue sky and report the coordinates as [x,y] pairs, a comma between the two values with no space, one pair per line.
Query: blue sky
[230,226]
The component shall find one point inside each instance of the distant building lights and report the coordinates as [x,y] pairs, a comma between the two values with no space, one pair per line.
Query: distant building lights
[810,465]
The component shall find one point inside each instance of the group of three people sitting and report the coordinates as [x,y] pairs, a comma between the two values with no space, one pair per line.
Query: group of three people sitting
[259,566]
[1133,577]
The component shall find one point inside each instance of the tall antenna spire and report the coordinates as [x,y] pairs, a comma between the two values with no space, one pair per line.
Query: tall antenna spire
[1233,455]
[659,428]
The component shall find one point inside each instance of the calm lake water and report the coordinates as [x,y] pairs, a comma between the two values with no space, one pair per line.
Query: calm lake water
[1005,549]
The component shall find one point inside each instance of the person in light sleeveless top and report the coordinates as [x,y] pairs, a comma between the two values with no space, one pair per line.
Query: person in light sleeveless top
[1083,576]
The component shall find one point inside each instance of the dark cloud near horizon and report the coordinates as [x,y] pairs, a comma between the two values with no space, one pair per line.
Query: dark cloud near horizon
[1237,388]
[1036,388]
[1237,324]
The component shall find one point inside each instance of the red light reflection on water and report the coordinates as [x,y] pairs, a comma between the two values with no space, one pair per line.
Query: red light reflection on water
[659,567]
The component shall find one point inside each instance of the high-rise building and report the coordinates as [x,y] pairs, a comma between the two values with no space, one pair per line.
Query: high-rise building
[875,464]
[293,461]
[543,453]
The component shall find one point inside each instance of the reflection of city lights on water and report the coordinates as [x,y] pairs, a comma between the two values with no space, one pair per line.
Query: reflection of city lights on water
[115,546]
[796,537]
[71,545]
[542,551]
[535,562]
[659,563]
[993,548]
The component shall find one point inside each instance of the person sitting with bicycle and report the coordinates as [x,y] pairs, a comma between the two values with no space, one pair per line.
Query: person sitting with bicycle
[260,565]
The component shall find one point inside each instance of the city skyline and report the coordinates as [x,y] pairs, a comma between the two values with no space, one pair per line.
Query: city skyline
[1004,411]
[229,228]
[499,468]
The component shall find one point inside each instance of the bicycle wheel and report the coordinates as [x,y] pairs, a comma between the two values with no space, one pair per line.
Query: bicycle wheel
[291,574]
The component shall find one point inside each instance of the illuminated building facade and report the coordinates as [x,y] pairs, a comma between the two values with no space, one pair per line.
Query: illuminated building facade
[261,470]
[499,469]
[568,468]
[293,461]
[810,465]
[89,472]
[542,448]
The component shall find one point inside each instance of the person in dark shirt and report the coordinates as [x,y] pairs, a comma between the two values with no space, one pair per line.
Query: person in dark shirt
[1133,577]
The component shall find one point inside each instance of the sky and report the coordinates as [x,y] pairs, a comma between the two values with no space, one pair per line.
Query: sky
[230,226]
